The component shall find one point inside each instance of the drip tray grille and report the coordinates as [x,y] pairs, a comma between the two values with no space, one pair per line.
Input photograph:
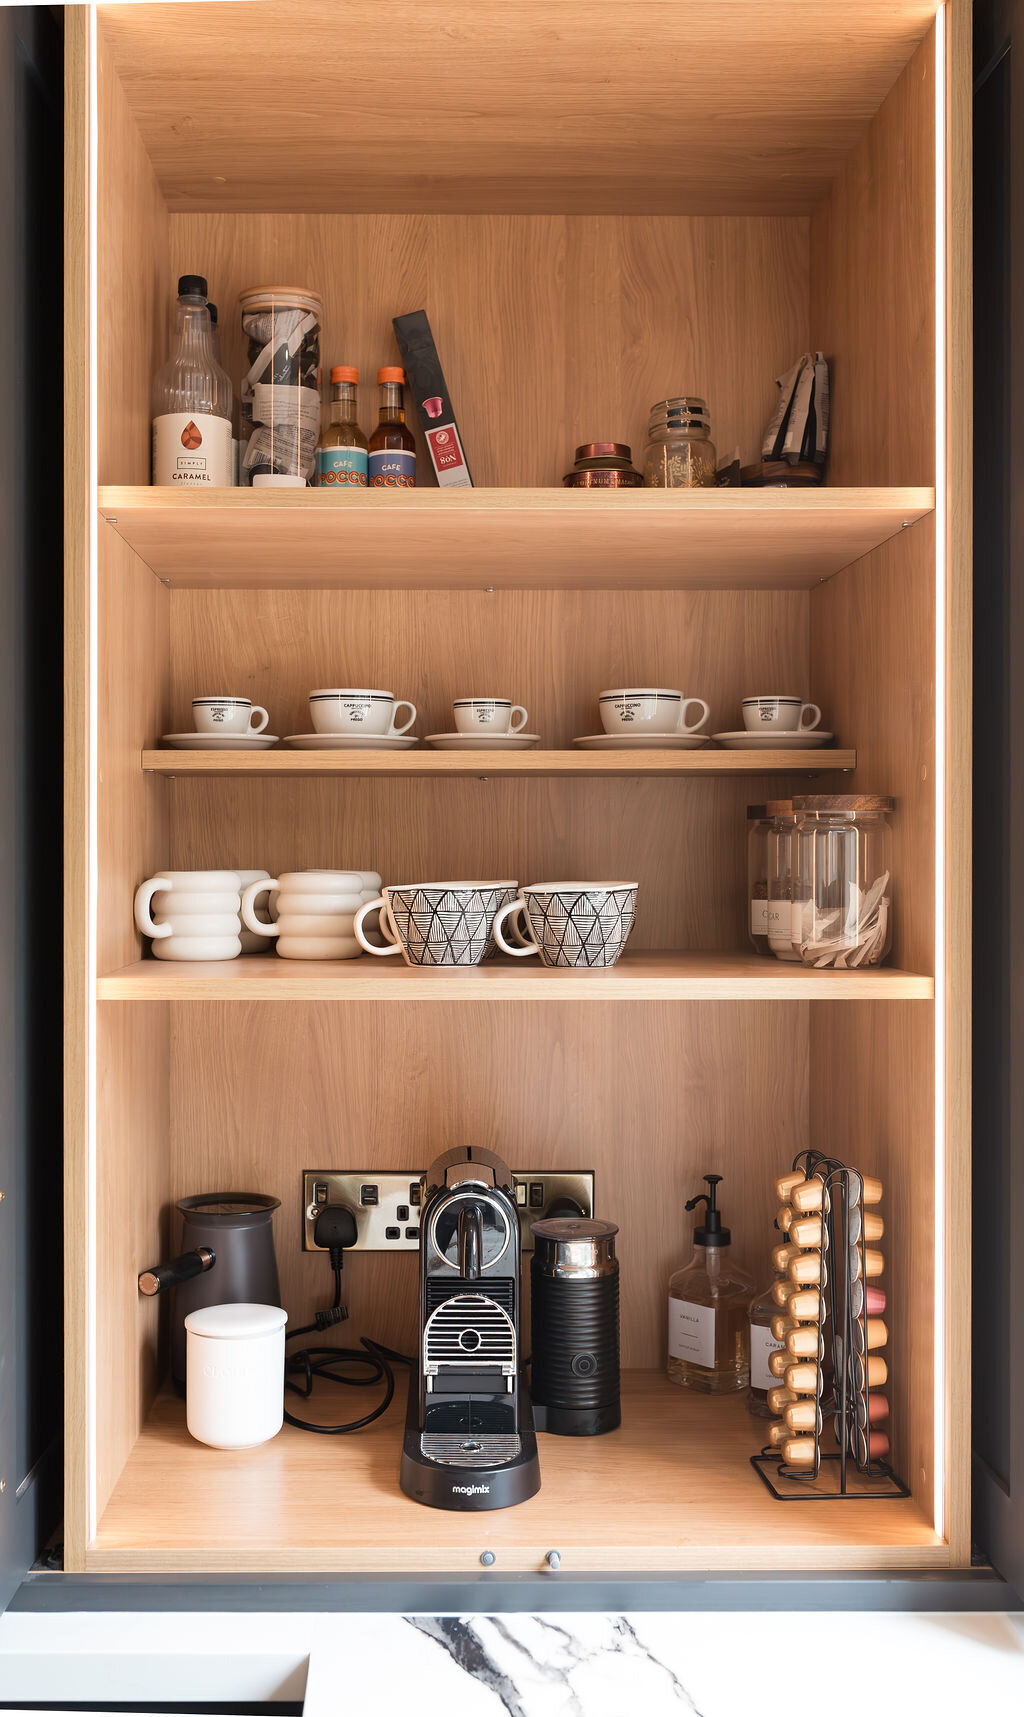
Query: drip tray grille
[466,1449]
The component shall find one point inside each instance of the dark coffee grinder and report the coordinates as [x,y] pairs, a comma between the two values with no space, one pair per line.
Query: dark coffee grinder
[469,1437]
[574,1289]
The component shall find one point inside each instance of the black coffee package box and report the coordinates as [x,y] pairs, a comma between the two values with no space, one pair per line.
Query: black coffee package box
[425,380]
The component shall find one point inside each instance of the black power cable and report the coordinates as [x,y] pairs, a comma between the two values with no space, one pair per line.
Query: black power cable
[336,1229]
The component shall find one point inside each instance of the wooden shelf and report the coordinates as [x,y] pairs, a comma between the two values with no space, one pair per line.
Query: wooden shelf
[283,764]
[638,977]
[672,1489]
[511,539]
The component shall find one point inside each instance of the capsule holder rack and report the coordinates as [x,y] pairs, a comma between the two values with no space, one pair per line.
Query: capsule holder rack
[841,1195]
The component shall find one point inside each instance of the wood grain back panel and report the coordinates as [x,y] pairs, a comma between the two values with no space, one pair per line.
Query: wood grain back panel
[552,330]
[133,284]
[650,1097]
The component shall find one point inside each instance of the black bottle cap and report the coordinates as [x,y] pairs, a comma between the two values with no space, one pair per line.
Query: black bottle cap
[192,286]
[212,308]
[710,1232]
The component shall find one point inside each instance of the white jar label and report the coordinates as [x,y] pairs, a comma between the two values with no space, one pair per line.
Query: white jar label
[779,920]
[191,449]
[691,1333]
[762,1346]
[758,917]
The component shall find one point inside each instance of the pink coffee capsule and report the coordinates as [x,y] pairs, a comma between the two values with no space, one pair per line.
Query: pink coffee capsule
[433,407]
[873,1447]
[874,1302]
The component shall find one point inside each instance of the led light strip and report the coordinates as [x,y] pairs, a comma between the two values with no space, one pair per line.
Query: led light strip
[941,455]
[93,768]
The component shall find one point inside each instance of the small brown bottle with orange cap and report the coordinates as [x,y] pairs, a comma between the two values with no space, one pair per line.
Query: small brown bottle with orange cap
[341,458]
[392,448]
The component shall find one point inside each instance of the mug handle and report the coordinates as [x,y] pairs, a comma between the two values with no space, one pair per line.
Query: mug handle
[682,728]
[385,929]
[250,895]
[504,912]
[257,709]
[394,731]
[815,715]
[515,726]
[143,902]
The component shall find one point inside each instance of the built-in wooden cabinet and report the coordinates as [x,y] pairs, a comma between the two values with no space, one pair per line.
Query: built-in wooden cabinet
[597,208]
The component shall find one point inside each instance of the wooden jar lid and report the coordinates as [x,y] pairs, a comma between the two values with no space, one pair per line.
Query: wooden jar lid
[844,802]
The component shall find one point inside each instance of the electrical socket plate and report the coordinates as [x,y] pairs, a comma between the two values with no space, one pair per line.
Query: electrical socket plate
[386,1206]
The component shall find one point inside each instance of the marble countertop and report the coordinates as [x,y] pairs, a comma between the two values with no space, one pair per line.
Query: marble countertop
[718,1664]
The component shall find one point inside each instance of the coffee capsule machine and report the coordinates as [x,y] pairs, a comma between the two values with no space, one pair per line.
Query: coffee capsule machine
[469,1436]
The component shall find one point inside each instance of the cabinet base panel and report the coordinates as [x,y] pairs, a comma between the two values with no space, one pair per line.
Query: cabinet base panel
[671,1490]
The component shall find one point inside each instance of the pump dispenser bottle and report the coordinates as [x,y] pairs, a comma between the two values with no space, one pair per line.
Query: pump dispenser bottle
[708,1301]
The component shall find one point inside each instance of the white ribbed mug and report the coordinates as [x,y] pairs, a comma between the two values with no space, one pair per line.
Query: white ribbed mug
[315,912]
[195,916]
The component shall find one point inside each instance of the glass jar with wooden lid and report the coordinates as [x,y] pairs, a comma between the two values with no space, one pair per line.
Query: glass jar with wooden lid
[842,879]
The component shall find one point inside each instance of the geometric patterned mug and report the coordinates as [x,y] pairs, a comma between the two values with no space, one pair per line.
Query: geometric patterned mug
[437,923]
[571,923]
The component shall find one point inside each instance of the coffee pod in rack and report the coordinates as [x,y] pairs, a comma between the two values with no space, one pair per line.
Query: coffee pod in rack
[798,1452]
[805,1270]
[866,1221]
[805,1305]
[779,1362]
[806,1231]
[863,1299]
[780,1326]
[806,1342]
[783,1218]
[803,1379]
[781,1291]
[782,1257]
[807,1197]
[779,1398]
[869,1333]
[803,1415]
[778,1433]
[871,1264]
[877,1371]
[786,1182]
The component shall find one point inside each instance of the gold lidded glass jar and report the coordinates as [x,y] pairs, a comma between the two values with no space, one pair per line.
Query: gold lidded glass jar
[708,1309]
[679,452]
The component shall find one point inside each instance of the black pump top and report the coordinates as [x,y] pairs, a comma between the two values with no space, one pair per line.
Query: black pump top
[710,1232]
[192,285]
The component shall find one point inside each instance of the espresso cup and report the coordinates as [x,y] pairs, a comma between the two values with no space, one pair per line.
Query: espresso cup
[650,709]
[437,923]
[351,711]
[488,715]
[195,916]
[227,715]
[315,913]
[779,715]
[570,923]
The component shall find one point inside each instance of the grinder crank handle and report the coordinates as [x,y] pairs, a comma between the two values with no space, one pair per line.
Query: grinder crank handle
[164,1276]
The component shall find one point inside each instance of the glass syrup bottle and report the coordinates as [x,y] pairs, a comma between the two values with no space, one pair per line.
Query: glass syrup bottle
[192,400]
[392,460]
[341,458]
[708,1303]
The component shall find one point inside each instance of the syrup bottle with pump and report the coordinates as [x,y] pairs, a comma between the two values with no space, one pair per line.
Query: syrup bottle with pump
[708,1301]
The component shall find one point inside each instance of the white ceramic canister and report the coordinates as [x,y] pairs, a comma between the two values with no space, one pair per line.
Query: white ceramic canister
[234,1378]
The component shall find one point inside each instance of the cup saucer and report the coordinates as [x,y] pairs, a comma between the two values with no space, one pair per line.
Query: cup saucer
[642,741]
[220,741]
[350,741]
[811,739]
[482,742]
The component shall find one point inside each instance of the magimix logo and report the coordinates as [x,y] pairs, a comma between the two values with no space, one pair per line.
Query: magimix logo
[471,1490]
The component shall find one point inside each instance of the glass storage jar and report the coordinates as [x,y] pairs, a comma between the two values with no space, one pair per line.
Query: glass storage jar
[779,856]
[758,824]
[679,452]
[842,884]
[281,385]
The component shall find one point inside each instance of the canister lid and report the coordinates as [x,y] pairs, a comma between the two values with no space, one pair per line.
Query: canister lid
[279,298]
[568,1228]
[236,1322]
[844,802]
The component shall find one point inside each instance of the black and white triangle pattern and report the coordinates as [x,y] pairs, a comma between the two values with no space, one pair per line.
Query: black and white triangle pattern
[582,927]
[447,927]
